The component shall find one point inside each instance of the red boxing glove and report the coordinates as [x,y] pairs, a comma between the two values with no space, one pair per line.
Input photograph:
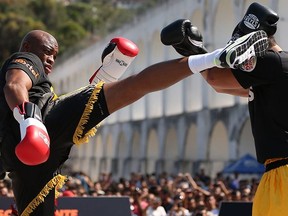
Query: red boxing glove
[34,147]
[116,58]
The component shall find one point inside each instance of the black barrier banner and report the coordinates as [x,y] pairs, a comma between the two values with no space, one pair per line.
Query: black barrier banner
[5,206]
[235,208]
[81,206]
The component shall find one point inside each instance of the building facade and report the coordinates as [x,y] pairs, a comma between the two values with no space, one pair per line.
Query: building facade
[180,129]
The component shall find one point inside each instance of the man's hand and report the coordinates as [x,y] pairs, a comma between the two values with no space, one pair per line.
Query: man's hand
[116,58]
[34,147]
[257,17]
[184,37]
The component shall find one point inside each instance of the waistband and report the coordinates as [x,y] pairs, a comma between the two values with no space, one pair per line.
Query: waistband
[276,164]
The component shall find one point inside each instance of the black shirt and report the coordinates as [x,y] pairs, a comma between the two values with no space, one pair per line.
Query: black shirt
[32,65]
[268,104]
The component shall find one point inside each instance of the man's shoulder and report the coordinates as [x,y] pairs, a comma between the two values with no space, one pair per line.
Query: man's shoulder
[25,55]
[27,62]
[22,59]
[281,53]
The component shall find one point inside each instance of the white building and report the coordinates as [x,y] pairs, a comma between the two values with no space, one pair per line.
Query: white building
[183,128]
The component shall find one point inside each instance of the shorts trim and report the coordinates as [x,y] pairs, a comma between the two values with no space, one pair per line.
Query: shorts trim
[55,95]
[79,137]
[276,164]
[57,182]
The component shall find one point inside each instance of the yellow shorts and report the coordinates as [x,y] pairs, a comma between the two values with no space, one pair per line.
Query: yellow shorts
[271,198]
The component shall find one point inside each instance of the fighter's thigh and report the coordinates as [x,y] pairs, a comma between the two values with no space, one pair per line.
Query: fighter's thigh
[64,116]
[79,110]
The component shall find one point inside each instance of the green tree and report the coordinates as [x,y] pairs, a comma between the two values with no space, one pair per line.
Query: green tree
[75,25]
[13,27]
[84,14]
[69,35]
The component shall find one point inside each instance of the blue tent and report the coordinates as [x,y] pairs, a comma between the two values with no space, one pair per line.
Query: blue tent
[245,165]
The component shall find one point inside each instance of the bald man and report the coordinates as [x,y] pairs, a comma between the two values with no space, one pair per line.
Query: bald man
[38,129]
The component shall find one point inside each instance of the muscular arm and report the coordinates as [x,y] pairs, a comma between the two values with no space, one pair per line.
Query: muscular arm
[222,80]
[16,89]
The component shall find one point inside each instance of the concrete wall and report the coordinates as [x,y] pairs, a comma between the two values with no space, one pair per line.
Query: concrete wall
[183,128]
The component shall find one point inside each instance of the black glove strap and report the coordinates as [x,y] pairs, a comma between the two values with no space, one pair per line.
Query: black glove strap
[30,110]
[276,164]
[109,48]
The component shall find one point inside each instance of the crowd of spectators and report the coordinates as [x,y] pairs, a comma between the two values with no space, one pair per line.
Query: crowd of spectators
[161,195]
